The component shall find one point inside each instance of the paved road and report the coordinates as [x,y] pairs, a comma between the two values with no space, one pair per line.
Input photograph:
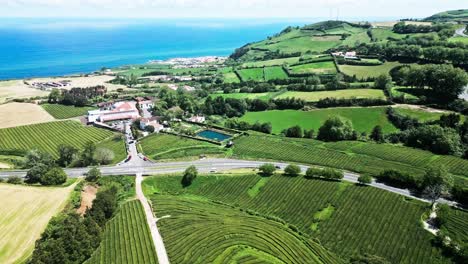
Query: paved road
[461,32]
[157,238]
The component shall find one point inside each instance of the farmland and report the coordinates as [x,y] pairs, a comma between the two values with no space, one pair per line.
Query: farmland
[165,146]
[419,114]
[230,77]
[363,119]
[48,136]
[204,232]
[263,96]
[126,238]
[25,212]
[357,219]
[18,114]
[64,111]
[253,74]
[272,73]
[363,72]
[117,145]
[350,155]
[349,93]
[271,62]
[325,67]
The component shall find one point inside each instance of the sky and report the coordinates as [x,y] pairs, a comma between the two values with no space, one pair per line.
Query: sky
[227,8]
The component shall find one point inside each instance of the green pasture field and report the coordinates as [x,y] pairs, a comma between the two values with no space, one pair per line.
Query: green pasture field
[423,115]
[347,219]
[201,231]
[117,145]
[263,96]
[302,44]
[382,34]
[459,39]
[230,77]
[274,62]
[324,67]
[59,111]
[363,157]
[253,74]
[48,136]
[363,119]
[126,238]
[357,38]
[165,146]
[275,72]
[362,72]
[349,93]
[400,91]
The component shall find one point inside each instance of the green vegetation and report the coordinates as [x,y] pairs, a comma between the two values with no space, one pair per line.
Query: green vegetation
[324,67]
[353,214]
[363,72]
[126,238]
[48,136]
[348,93]
[59,111]
[452,15]
[230,77]
[363,119]
[272,73]
[349,155]
[253,74]
[263,96]
[419,114]
[165,146]
[117,145]
[459,39]
[271,62]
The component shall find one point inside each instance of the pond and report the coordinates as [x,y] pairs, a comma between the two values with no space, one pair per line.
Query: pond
[213,135]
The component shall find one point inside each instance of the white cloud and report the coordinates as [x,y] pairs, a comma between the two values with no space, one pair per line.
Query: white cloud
[228,8]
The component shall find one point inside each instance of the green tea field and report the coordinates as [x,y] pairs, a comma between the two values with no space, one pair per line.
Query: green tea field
[64,111]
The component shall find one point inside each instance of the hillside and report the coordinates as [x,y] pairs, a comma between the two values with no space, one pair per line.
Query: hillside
[460,15]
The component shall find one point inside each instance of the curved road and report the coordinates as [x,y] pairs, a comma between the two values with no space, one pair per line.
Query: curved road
[461,32]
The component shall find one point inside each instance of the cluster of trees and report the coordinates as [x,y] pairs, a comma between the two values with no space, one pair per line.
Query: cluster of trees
[69,238]
[190,174]
[76,96]
[404,28]
[444,82]
[244,126]
[335,129]
[42,169]
[327,173]
[336,102]
[453,246]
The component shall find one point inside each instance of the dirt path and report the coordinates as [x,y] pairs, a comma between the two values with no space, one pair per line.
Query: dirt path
[88,194]
[421,107]
[151,219]
[429,223]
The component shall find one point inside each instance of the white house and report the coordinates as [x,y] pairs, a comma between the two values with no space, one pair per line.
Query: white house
[197,119]
[118,111]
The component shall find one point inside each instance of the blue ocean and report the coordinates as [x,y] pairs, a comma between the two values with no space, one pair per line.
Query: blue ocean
[55,47]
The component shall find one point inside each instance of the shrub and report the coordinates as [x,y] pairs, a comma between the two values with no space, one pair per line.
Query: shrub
[189,176]
[54,176]
[313,172]
[294,132]
[332,174]
[397,179]
[267,169]
[93,175]
[335,129]
[365,179]
[104,156]
[292,170]
[14,180]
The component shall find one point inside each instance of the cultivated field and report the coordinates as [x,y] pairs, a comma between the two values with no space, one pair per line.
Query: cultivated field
[19,114]
[230,77]
[17,89]
[48,136]
[82,81]
[272,73]
[363,72]
[24,215]
[325,67]
[117,145]
[363,119]
[126,238]
[271,62]
[347,219]
[253,74]
[200,231]
[263,96]
[165,146]
[66,111]
[349,93]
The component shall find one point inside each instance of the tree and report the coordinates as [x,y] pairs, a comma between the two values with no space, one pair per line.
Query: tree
[335,129]
[313,172]
[54,176]
[449,120]
[294,132]
[103,156]
[267,169]
[93,175]
[437,139]
[67,154]
[292,170]
[365,179]
[383,82]
[35,174]
[309,133]
[150,129]
[55,96]
[436,182]
[189,176]
[87,155]
[377,134]
[35,157]
[332,174]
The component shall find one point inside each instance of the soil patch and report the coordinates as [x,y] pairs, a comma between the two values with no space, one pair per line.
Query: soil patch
[88,194]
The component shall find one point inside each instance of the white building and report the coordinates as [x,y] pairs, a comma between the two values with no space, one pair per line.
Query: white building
[145,122]
[118,111]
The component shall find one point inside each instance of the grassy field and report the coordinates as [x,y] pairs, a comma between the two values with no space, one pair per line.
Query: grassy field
[363,119]
[165,146]
[368,71]
[315,96]
[303,44]
[457,226]
[382,34]
[271,62]
[65,111]
[347,219]
[230,77]
[19,114]
[263,96]
[200,231]
[272,73]
[349,155]
[117,145]
[459,39]
[126,238]
[325,67]
[25,212]
[48,136]
[253,74]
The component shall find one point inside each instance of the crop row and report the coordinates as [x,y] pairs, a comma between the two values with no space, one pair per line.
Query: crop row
[59,111]
[48,136]
[126,238]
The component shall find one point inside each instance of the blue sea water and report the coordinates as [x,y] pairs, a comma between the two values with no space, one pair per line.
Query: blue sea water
[55,47]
